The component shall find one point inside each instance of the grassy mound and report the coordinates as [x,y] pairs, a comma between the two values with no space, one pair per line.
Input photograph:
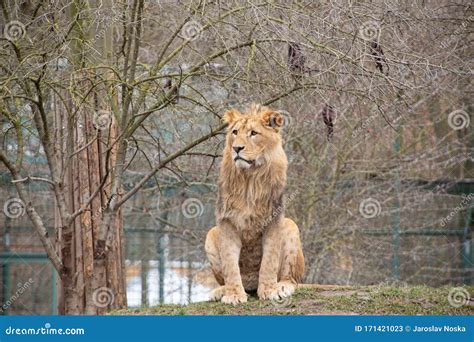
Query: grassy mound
[330,300]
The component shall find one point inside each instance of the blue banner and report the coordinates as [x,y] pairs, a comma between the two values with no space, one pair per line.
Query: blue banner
[237,328]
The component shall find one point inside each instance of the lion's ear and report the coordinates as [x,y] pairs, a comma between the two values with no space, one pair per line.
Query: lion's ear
[231,115]
[272,119]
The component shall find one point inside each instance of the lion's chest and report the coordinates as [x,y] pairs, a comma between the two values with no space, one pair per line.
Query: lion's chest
[249,226]
[249,263]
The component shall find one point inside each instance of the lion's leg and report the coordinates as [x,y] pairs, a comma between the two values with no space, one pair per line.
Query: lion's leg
[223,247]
[215,260]
[269,267]
[292,259]
[282,263]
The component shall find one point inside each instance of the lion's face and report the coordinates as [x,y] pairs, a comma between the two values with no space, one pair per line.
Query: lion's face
[253,138]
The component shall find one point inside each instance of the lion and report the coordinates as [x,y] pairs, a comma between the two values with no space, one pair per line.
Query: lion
[253,247]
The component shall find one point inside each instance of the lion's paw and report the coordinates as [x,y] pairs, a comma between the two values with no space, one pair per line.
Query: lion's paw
[276,291]
[285,288]
[233,296]
[234,299]
[267,291]
[217,294]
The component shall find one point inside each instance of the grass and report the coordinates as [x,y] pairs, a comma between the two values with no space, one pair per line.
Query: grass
[355,300]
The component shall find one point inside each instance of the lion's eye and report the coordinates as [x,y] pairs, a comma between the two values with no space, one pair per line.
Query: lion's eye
[234,132]
[253,133]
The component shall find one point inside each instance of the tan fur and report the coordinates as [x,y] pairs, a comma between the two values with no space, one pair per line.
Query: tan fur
[253,247]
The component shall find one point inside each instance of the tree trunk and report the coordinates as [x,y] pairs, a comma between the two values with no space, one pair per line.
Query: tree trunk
[94,280]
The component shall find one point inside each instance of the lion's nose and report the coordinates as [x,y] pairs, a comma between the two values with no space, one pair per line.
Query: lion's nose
[237,149]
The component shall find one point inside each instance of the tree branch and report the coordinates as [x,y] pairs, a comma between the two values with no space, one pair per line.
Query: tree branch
[33,215]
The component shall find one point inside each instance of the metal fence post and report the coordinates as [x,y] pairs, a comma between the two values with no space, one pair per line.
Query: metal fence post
[396,223]
[466,247]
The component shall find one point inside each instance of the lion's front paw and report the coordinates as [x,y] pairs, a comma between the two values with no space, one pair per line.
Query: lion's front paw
[217,294]
[285,288]
[276,291]
[234,299]
[233,295]
[267,291]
